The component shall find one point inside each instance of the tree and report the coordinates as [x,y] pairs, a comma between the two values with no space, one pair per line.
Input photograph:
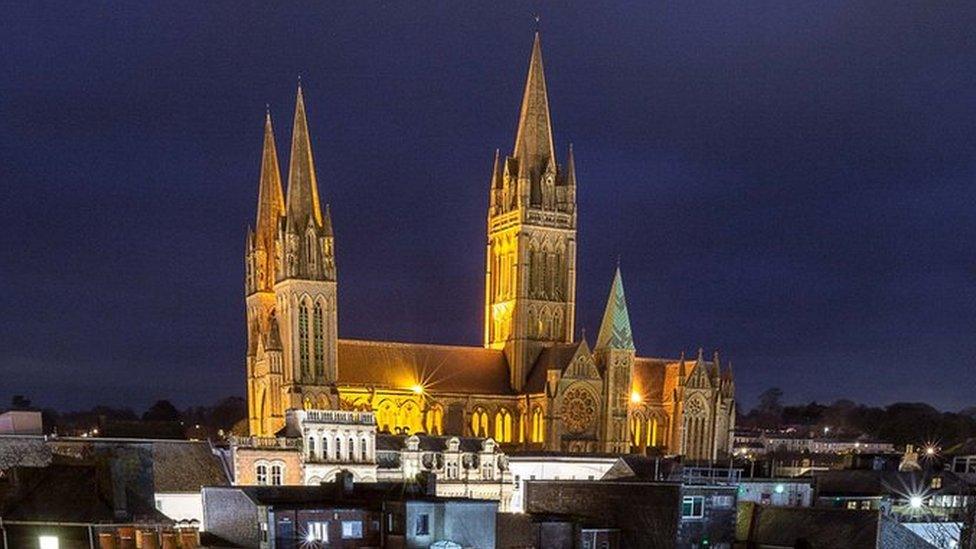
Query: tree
[162,410]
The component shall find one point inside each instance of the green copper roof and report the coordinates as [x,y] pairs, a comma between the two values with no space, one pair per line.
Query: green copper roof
[615,329]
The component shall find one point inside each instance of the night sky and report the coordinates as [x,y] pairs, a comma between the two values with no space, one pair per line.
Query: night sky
[793,183]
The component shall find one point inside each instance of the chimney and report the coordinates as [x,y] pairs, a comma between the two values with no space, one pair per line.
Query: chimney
[428,483]
[343,481]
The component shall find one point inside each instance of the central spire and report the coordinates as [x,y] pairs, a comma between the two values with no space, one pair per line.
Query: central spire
[533,142]
[303,192]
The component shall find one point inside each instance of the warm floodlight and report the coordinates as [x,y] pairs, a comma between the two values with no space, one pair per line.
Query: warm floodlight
[48,542]
[915,502]
[635,397]
[418,389]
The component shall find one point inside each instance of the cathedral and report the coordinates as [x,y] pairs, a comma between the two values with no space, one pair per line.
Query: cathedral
[532,385]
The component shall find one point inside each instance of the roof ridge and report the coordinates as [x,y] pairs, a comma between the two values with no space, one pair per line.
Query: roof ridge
[378,343]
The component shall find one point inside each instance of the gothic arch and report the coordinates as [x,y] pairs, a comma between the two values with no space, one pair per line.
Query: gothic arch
[479,422]
[503,425]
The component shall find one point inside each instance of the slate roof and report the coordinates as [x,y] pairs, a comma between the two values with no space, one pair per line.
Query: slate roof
[869,483]
[75,490]
[820,527]
[428,443]
[554,357]
[615,332]
[443,368]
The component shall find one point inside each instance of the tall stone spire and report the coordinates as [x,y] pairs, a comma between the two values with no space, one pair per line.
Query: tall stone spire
[533,141]
[570,168]
[303,192]
[615,332]
[271,204]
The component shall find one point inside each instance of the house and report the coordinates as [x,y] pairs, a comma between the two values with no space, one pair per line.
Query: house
[344,513]
[762,527]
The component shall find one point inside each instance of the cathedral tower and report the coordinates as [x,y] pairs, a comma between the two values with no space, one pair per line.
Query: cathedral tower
[291,289]
[530,276]
[264,360]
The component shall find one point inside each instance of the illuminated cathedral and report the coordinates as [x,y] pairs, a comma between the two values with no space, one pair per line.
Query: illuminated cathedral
[532,384]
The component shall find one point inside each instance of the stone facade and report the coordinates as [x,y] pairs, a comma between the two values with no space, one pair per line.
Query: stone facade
[533,384]
[317,445]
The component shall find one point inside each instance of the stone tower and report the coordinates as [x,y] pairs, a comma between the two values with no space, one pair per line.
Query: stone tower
[264,357]
[530,276]
[615,353]
[291,285]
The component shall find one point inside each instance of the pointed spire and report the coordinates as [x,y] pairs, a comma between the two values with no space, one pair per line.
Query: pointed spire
[615,332]
[533,141]
[496,171]
[682,371]
[327,222]
[571,171]
[303,192]
[271,204]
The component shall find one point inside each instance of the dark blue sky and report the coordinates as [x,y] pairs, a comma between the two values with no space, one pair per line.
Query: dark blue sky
[793,183]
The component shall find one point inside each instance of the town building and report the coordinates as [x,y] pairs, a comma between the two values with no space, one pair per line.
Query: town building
[770,526]
[316,445]
[534,382]
[778,492]
[554,466]
[344,513]
[165,475]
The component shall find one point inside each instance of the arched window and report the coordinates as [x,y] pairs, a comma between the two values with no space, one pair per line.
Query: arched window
[311,447]
[303,340]
[307,403]
[352,450]
[277,474]
[325,448]
[435,420]
[319,342]
[338,449]
[362,449]
[538,426]
[386,416]
[261,474]
[479,423]
[503,426]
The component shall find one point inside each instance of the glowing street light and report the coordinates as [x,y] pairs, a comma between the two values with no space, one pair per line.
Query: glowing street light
[418,389]
[915,502]
[635,397]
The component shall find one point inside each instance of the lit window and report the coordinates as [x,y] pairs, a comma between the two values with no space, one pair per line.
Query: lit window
[693,507]
[311,447]
[49,542]
[303,340]
[262,474]
[352,529]
[319,344]
[317,531]
[276,474]
[423,524]
[723,502]
[936,483]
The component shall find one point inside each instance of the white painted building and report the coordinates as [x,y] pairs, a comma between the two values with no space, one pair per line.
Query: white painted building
[550,466]
[778,492]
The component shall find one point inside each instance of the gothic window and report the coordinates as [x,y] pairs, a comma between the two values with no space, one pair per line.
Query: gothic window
[538,427]
[261,473]
[503,426]
[550,274]
[277,473]
[303,339]
[386,416]
[579,409]
[511,275]
[560,278]
[435,420]
[319,346]
[479,423]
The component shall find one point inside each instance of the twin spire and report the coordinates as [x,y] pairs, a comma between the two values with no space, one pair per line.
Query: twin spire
[303,194]
[615,332]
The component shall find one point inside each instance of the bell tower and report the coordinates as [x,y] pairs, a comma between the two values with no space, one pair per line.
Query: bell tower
[530,275]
